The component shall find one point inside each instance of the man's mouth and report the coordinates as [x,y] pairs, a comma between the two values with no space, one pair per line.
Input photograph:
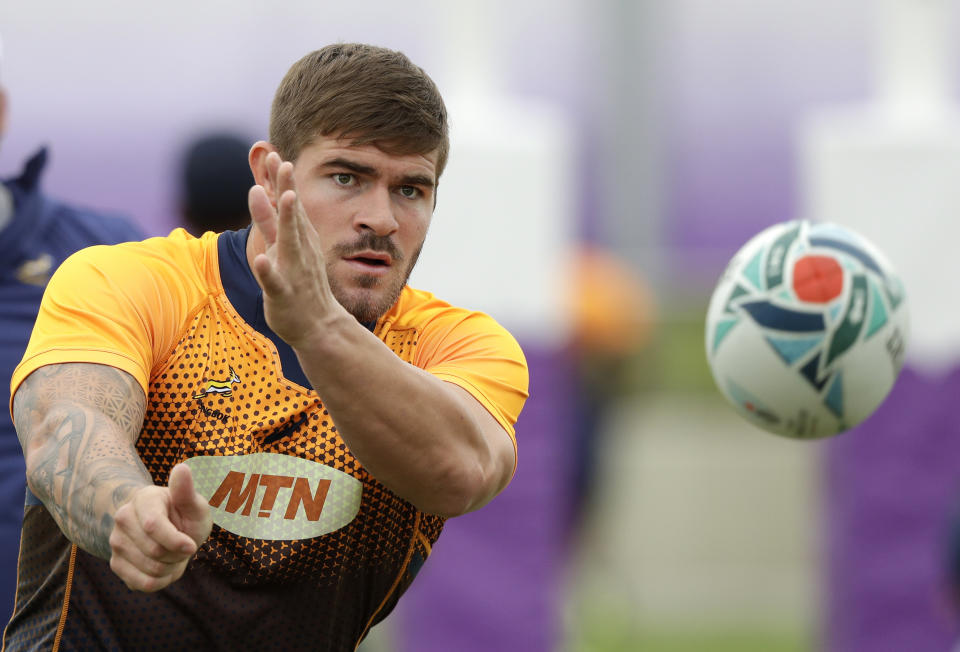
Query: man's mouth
[370,259]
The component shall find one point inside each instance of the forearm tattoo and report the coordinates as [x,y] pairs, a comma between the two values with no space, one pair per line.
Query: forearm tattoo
[78,425]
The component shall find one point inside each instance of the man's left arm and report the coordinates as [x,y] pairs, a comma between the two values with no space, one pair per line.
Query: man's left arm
[428,440]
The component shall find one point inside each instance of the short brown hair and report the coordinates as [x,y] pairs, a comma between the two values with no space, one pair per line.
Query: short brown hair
[369,94]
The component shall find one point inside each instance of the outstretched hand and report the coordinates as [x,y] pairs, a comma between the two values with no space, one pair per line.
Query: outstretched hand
[157,531]
[291,271]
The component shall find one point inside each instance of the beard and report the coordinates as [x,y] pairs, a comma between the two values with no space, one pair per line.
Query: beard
[369,296]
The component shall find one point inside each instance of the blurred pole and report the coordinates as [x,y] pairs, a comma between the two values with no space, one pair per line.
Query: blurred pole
[631,159]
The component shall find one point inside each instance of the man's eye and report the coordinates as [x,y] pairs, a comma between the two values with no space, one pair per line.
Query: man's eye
[343,178]
[410,192]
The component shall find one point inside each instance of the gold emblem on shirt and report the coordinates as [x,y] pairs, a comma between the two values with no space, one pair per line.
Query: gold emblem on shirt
[221,387]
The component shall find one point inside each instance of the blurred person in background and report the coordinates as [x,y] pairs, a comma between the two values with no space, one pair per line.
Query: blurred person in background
[214,178]
[613,312]
[171,384]
[952,566]
[37,233]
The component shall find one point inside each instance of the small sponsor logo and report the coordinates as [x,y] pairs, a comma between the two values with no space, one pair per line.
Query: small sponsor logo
[220,387]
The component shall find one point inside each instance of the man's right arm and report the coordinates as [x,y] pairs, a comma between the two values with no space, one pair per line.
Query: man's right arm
[78,424]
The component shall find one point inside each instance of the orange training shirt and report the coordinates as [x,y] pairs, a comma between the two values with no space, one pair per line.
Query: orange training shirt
[308,550]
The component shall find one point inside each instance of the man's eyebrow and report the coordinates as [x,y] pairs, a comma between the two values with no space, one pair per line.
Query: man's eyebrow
[417,180]
[347,164]
[406,180]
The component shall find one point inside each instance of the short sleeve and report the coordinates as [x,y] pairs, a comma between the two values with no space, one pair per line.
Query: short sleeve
[120,305]
[473,351]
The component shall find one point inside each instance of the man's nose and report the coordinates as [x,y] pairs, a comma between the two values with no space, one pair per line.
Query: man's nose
[378,213]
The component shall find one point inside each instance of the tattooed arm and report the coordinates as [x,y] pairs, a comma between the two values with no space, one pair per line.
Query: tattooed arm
[78,425]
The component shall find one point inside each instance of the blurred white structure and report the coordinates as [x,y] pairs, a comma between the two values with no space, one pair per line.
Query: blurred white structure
[502,234]
[891,170]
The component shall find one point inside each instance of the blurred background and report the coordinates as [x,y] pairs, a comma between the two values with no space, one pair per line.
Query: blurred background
[608,159]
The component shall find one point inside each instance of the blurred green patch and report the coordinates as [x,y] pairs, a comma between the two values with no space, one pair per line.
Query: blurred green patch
[609,637]
[675,358]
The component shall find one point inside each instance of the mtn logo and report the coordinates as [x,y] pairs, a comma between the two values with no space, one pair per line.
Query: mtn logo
[272,496]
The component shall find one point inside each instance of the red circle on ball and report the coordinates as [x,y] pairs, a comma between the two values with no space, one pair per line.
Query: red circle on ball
[817,279]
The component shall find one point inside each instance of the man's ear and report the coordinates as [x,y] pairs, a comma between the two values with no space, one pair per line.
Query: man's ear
[258,165]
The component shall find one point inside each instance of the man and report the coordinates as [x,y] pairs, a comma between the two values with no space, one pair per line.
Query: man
[213,182]
[37,233]
[260,433]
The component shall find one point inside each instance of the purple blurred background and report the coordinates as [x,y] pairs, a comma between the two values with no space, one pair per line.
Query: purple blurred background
[686,117]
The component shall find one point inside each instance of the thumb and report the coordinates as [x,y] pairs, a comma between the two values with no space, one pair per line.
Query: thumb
[182,494]
[188,507]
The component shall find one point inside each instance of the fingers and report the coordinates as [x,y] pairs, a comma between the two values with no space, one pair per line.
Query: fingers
[292,217]
[276,201]
[146,522]
[137,580]
[263,214]
[267,276]
[284,233]
[157,532]
[288,235]
[142,572]
[292,258]
[148,551]
[263,200]
[280,174]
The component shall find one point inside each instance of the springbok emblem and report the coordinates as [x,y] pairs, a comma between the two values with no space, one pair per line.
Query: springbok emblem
[221,387]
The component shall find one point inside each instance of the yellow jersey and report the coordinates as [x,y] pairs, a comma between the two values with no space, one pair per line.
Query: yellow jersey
[308,550]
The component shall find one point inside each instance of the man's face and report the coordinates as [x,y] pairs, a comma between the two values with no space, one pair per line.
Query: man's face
[371,210]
